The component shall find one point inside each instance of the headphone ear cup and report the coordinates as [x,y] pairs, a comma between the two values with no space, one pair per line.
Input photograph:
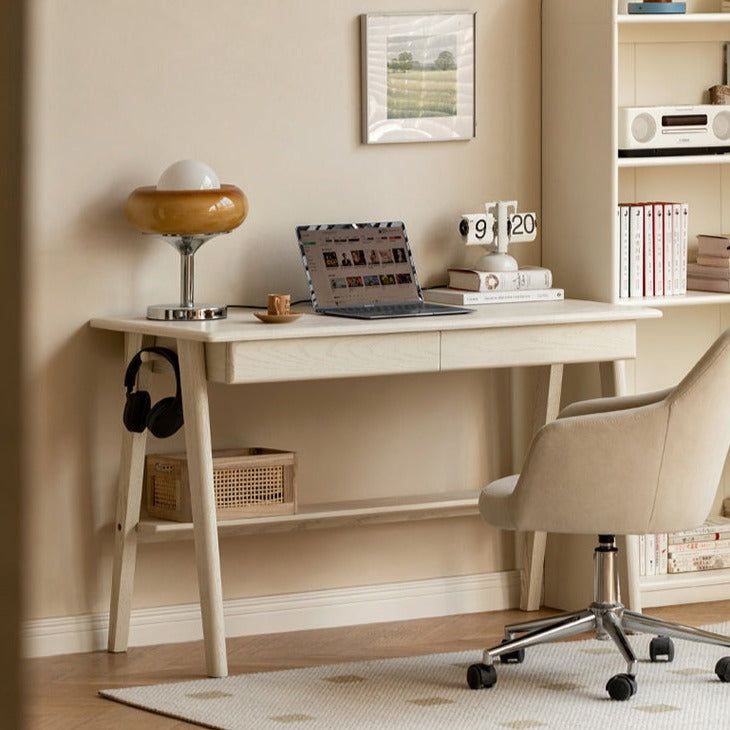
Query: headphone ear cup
[166,418]
[136,411]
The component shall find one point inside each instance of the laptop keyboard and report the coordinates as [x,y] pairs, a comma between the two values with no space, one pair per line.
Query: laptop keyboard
[393,310]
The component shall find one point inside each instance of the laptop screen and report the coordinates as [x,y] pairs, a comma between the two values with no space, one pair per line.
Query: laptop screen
[354,265]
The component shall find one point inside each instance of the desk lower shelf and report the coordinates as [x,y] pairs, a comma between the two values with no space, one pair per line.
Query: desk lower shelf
[327,515]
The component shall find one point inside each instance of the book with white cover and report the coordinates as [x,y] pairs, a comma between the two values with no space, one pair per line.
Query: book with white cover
[642,554]
[648,250]
[650,554]
[713,245]
[709,546]
[636,251]
[698,561]
[528,277]
[658,250]
[457,296]
[623,236]
[676,247]
[662,554]
[684,250]
[668,239]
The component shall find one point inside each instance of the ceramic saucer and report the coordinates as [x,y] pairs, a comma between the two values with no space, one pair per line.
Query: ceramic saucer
[278,318]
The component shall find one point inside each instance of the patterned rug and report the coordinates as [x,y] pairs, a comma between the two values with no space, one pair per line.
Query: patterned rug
[559,686]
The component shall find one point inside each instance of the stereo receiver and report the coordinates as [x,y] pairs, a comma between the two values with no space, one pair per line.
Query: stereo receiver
[673,130]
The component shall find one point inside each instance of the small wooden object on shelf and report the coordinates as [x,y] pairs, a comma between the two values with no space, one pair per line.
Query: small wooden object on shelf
[720,94]
[248,482]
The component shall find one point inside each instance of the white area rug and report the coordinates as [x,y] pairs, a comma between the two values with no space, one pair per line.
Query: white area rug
[558,686]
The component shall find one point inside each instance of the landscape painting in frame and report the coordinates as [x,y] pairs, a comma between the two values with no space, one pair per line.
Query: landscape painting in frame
[418,77]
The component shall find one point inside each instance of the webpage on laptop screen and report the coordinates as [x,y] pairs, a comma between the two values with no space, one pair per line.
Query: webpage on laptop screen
[355,266]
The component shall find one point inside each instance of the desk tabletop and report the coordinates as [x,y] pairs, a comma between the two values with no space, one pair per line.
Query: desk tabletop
[242,326]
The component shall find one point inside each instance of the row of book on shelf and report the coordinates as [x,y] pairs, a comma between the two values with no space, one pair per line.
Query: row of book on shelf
[652,245]
[471,286]
[703,548]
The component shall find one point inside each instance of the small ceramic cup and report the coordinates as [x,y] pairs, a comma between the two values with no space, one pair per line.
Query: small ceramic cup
[279,304]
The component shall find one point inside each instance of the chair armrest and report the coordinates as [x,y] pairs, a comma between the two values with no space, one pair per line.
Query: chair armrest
[606,405]
[593,473]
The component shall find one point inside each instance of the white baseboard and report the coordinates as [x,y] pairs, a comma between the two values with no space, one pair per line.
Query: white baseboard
[290,612]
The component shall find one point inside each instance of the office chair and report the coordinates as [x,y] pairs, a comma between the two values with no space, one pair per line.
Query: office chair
[628,465]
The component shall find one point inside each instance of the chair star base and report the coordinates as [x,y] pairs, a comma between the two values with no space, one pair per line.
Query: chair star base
[606,616]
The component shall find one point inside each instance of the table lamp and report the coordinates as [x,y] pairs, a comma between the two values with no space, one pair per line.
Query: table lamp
[188,206]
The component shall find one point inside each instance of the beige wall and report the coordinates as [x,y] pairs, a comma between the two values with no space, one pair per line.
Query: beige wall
[268,93]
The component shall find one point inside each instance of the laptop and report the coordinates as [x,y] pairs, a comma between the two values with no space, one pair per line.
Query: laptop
[364,271]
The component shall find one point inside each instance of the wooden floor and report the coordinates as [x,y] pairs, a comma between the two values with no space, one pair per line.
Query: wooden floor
[61,691]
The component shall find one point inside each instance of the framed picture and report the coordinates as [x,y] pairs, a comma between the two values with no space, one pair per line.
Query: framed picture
[418,77]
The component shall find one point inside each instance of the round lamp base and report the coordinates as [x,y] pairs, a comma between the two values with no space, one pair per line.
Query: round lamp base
[196,313]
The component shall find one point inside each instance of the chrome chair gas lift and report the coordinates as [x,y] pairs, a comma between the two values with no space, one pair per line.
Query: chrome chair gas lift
[618,466]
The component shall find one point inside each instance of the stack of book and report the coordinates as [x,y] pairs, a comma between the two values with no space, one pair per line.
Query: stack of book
[469,286]
[712,270]
[652,244]
[704,548]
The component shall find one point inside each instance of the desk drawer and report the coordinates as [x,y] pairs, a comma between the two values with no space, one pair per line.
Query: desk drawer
[538,345]
[322,357]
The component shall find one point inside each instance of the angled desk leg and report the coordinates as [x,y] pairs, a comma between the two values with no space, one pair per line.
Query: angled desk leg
[129,501]
[202,499]
[531,545]
[615,383]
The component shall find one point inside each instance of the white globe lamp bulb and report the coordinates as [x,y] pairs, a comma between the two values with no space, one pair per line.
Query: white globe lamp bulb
[189,175]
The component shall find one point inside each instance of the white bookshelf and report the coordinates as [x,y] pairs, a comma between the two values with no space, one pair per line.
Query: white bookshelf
[596,58]
[676,161]
[691,298]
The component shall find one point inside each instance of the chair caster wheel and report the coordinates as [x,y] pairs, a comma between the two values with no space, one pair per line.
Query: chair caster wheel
[722,669]
[512,657]
[661,646]
[479,676]
[621,686]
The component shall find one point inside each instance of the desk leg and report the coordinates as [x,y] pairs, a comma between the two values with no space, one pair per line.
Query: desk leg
[615,383]
[129,501]
[202,499]
[531,545]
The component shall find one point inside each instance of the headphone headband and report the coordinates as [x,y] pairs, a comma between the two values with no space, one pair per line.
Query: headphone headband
[130,376]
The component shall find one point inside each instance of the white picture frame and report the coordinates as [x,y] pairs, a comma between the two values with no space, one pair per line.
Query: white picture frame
[418,77]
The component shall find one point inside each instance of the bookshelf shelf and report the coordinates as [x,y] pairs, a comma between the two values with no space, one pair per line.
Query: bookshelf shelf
[707,585]
[690,299]
[675,161]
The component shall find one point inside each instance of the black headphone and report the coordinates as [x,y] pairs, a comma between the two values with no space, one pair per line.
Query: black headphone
[164,418]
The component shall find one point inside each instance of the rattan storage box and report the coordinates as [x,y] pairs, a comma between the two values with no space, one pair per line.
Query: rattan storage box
[251,482]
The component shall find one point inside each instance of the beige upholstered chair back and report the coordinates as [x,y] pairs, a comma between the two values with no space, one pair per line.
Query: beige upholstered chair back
[632,465]
[697,441]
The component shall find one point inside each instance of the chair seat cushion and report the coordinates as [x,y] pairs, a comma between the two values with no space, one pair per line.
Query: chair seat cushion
[497,504]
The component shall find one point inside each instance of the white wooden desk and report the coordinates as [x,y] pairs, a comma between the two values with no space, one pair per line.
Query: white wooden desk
[242,350]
